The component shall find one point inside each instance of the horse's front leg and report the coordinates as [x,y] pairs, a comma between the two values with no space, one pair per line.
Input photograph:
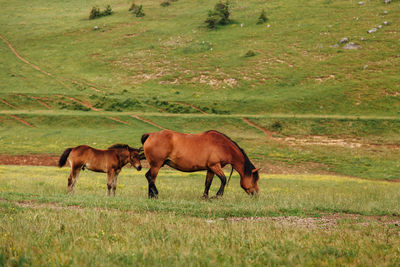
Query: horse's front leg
[217,169]
[209,179]
[151,176]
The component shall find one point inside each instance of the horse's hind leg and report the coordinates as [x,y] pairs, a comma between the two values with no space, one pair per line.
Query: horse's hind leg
[151,176]
[73,177]
[110,180]
[220,173]
[209,179]
[114,183]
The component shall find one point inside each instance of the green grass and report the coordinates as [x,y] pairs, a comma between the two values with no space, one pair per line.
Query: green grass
[179,228]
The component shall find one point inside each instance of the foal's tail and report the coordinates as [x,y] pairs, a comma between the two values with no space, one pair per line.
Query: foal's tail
[64,157]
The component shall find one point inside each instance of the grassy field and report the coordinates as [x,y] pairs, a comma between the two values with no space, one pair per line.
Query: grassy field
[322,121]
[297,220]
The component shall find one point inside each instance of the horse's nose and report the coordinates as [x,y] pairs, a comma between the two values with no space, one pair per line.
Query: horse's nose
[139,168]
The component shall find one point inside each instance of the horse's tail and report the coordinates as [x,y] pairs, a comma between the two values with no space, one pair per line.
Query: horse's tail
[230,175]
[64,157]
[144,138]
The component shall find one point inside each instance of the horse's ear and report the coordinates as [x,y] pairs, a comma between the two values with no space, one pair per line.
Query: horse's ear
[256,170]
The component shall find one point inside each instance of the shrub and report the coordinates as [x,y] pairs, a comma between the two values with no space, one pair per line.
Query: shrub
[108,11]
[250,53]
[96,13]
[133,8]
[137,10]
[263,17]
[165,3]
[219,15]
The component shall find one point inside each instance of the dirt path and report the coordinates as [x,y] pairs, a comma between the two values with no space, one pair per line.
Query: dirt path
[119,120]
[148,122]
[29,160]
[326,221]
[31,64]
[21,120]
[8,104]
[268,133]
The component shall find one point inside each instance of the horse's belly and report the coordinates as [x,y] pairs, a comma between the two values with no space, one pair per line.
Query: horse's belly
[186,166]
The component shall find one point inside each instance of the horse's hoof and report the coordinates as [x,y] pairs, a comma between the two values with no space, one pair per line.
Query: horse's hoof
[205,197]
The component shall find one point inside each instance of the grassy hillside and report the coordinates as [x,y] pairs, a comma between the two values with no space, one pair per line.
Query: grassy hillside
[64,83]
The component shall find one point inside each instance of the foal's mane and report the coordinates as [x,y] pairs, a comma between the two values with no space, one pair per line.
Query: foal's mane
[248,166]
[120,146]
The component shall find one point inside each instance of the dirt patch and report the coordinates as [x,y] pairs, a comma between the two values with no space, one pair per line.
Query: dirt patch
[326,221]
[32,160]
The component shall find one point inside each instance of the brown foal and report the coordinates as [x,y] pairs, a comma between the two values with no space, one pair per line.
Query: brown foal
[109,161]
[209,151]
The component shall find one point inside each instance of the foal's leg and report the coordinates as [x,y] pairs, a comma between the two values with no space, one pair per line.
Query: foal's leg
[209,179]
[217,169]
[114,184]
[73,177]
[110,180]
[151,176]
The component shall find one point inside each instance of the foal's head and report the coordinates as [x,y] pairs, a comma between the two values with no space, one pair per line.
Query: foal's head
[135,155]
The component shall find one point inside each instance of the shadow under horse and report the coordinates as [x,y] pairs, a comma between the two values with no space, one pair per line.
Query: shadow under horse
[109,161]
[209,151]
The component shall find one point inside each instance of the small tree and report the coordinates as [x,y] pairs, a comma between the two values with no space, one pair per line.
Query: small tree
[219,15]
[263,17]
[108,11]
[139,12]
[95,13]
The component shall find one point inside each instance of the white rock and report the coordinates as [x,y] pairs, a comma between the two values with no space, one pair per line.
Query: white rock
[344,40]
[372,30]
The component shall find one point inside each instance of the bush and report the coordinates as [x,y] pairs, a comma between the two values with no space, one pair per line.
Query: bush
[250,53]
[219,15]
[137,10]
[133,8]
[165,3]
[96,13]
[108,11]
[263,17]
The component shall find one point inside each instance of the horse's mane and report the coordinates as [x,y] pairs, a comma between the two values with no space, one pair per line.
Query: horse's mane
[119,146]
[248,166]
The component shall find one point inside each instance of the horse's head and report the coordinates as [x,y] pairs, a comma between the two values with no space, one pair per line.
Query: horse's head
[135,156]
[249,182]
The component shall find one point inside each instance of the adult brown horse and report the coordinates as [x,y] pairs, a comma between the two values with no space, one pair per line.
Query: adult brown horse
[209,151]
[109,161]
